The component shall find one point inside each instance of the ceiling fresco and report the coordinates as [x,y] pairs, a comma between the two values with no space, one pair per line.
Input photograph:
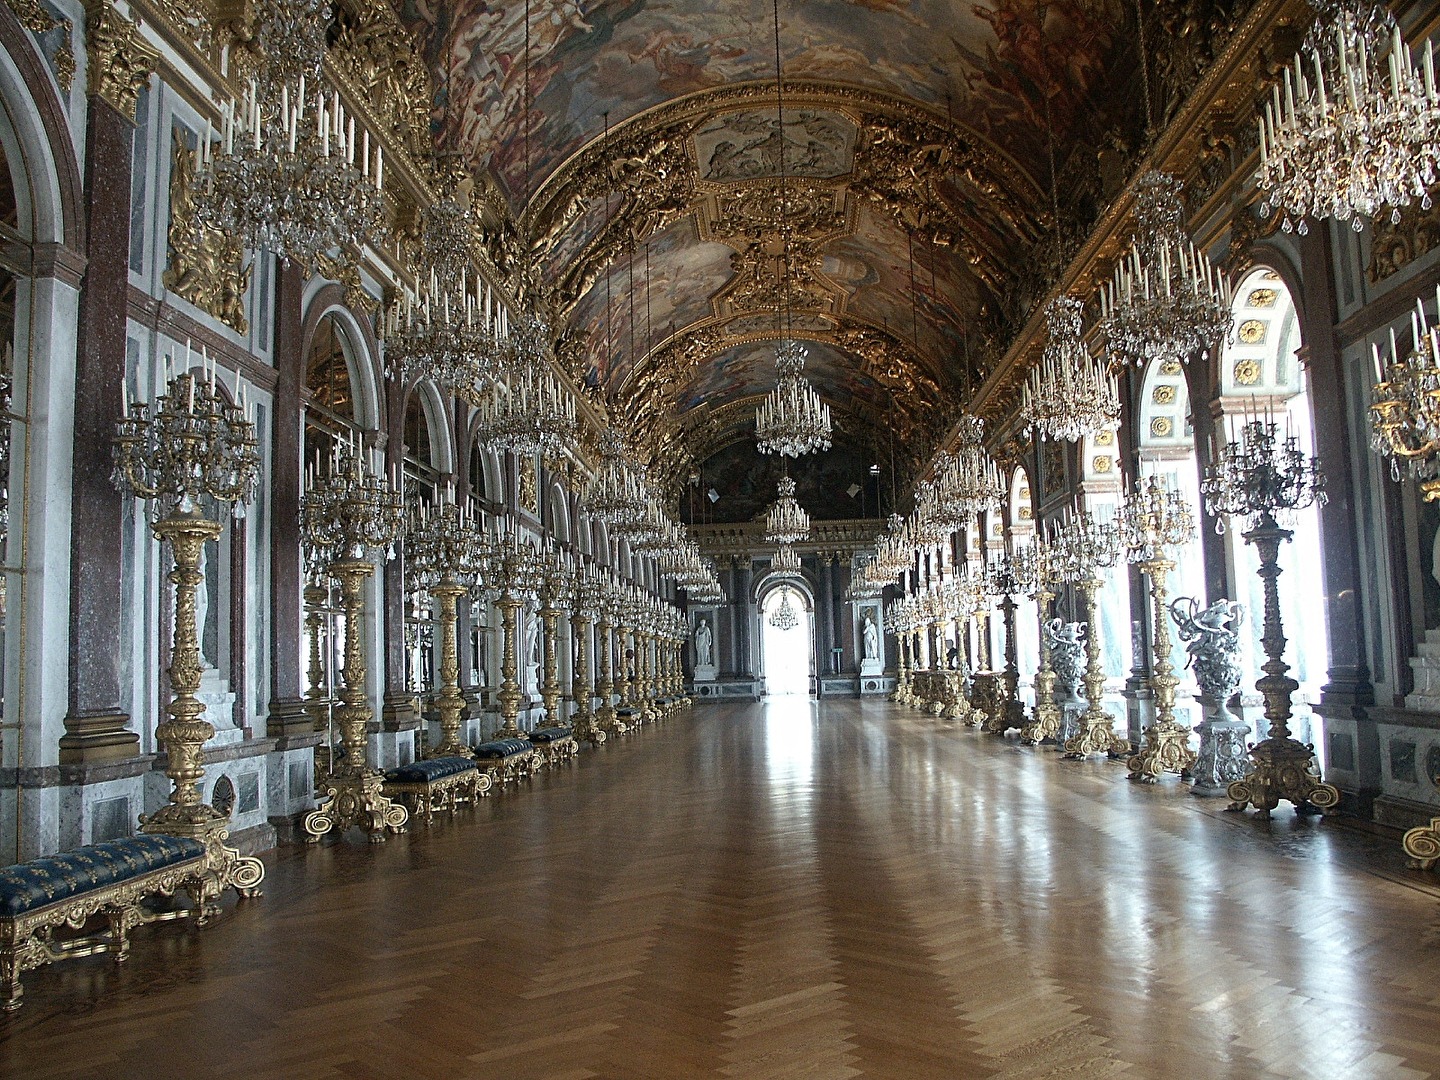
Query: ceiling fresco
[900,245]
[992,62]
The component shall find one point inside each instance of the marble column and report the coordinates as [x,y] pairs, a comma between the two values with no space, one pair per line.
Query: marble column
[287,687]
[825,610]
[1349,673]
[96,725]
[741,598]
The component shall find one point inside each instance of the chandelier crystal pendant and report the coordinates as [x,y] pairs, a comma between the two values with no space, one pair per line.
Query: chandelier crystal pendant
[792,420]
[1343,137]
[1069,394]
[784,617]
[292,173]
[1165,301]
[786,522]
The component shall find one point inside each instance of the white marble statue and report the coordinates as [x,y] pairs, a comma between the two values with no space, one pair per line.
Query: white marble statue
[1212,638]
[871,638]
[703,643]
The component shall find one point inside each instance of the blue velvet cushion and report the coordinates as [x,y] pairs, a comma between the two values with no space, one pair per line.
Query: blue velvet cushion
[501,748]
[429,770]
[26,886]
[626,712]
[550,734]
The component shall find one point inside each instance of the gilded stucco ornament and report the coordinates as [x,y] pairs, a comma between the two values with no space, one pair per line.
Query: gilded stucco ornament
[205,265]
[35,18]
[120,61]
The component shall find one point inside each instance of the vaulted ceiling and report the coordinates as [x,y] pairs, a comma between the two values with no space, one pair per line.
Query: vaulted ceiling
[917,148]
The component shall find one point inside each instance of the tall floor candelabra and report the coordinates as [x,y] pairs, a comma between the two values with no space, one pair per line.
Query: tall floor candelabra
[606,717]
[1035,573]
[557,591]
[1263,479]
[446,554]
[1153,523]
[195,451]
[348,519]
[1087,546]
[588,598]
[515,573]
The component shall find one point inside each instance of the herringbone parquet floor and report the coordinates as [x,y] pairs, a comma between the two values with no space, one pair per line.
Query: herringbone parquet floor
[788,891]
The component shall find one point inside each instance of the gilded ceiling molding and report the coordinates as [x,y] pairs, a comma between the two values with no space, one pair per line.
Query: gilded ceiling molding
[120,62]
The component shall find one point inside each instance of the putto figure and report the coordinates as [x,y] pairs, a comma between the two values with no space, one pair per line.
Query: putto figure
[1212,638]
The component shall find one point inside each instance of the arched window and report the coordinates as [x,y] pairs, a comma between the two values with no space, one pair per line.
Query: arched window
[422,475]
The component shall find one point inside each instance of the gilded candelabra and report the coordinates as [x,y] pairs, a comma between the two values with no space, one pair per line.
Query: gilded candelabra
[194,451]
[606,717]
[557,592]
[1263,478]
[1405,406]
[446,554]
[515,570]
[317,696]
[1009,712]
[1153,523]
[588,599]
[349,518]
[1035,574]
[1086,546]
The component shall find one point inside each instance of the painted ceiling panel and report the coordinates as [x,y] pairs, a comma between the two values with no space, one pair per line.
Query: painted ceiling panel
[990,62]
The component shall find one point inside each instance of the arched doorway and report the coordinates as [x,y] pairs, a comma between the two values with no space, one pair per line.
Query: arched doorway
[787,639]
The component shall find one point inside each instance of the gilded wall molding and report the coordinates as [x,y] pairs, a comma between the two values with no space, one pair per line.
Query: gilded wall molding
[35,18]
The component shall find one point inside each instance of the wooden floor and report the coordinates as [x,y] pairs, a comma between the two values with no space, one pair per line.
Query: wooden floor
[787,890]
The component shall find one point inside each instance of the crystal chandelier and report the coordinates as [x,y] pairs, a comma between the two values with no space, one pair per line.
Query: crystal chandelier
[349,514]
[528,410]
[292,173]
[444,327]
[1354,141]
[784,617]
[969,480]
[894,551]
[786,561]
[792,420]
[616,493]
[1070,394]
[1405,407]
[1165,301]
[786,522]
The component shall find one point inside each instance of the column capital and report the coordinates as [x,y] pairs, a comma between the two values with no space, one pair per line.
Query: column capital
[120,60]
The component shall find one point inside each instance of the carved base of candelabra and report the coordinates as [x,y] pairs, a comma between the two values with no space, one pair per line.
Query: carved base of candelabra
[1283,769]
[1166,749]
[355,799]
[956,707]
[1222,759]
[984,698]
[1044,722]
[1096,736]
[1422,845]
[226,868]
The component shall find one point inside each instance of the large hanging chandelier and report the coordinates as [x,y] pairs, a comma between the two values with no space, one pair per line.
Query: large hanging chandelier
[529,411]
[443,327]
[616,493]
[292,173]
[1165,301]
[894,550]
[1358,138]
[792,420]
[784,617]
[969,479]
[1070,394]
[786,522]
[786,561]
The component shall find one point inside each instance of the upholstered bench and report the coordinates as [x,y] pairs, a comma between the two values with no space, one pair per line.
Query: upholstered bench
[68,890]
[506,759]
[431,784]
[554,744]
[629,718]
